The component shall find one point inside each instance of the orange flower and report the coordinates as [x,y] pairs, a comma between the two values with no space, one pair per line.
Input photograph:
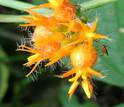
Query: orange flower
[60,53]
[42,37]
[60,35]
[82,34]
[39,54]
[63,9]
[37,19]
[85,32]
[82,60]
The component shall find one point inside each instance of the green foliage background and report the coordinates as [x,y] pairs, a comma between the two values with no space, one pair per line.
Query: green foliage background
[18,91]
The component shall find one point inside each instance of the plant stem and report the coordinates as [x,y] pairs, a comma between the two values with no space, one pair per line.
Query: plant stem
[15,4]
[93,4]
[11,18]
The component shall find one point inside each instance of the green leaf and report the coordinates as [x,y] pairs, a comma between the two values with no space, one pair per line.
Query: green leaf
[93,4]
[109,25]
[18,5]
[90,104]
[36,2]
[120,105]
[4,76]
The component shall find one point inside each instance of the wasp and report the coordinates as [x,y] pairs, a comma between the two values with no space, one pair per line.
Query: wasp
[104,49]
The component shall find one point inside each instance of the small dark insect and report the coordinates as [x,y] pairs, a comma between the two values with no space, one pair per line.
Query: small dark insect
[104,50]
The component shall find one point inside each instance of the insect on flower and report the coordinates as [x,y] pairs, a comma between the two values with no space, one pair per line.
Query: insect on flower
[104,49]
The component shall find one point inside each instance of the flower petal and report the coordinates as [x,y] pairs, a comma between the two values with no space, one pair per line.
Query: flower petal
[85,86]
[73,88]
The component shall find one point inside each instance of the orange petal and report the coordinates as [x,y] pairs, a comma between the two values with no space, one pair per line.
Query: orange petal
[68,73]
[26,49]
[60,54]
[33,59]
[98,36]
[27,24]
[73,88]
[93,29]
[33,69]
[56,3]
[93,72]
[86,88]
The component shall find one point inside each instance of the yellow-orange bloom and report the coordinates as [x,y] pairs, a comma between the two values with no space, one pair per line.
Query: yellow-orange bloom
[63,10]
[63,34]
[37,19]
[39,54]
[42,37]
[83,33]
[82,59]
[88,33]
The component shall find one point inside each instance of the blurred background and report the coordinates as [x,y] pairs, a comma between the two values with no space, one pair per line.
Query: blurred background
[45,90]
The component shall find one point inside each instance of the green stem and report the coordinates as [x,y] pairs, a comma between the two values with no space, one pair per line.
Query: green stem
[15,4]
[11,18]
[93,4]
